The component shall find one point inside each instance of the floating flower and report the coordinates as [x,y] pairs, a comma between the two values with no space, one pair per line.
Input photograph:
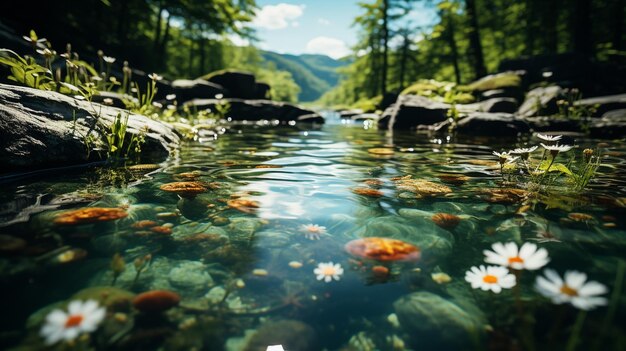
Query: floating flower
[313,231]
[328,271]
[502,156]
[549,137]
[492,278]
[574,289]
[508,255]
[81,317]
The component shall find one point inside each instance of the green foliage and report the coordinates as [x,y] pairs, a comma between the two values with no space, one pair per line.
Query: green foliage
[117,144]
[315,74]
[496,81]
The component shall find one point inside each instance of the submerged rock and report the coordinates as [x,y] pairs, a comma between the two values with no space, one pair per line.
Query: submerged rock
[40,129]
[410,111]
[186,89]
[540,101]
[291,334]
[435,323]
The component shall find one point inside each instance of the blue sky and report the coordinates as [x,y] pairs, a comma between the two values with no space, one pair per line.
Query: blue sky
[314,26]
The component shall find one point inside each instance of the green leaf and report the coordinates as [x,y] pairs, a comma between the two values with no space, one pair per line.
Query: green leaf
[555,167]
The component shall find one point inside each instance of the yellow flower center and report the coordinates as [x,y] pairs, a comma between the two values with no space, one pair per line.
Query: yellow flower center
[73,321]
[490,279]
[328,271]
[566,290]
[515,259]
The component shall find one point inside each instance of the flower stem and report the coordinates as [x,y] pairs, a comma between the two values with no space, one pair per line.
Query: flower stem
[578,326]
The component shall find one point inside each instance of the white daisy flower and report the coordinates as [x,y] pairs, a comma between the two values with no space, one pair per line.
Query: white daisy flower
[81,317]
[508,255]
[547,137]
[574,289]
[328,271]
[109,59]
[313,231]
[557,148]
[492,278]
[524,150]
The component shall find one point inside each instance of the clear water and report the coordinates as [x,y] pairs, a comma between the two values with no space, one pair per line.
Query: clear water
[265,261]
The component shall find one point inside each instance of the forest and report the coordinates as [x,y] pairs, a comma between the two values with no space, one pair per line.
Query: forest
[468,39]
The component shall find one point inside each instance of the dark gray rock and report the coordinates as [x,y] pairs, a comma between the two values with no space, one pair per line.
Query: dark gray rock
[503,104]
[435,323]
[619,115]
[505,92]
[42,129]
[552,124]
[240,85]
[541,101]
[604,104]
[349,113]
[608,128]
[492,124]
[263,91]
[186,89]
[254,110]
[410,111]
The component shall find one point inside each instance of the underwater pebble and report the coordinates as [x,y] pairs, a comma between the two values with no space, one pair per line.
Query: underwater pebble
[260,272]
[609,225]
[168,225]
[160,209]
[120,317]
[441,278]
[240,284]
[188,323]
[295,264]
[216,295]
[166,215]
[393,320]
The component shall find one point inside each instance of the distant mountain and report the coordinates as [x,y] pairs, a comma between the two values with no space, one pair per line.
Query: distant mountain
[315,74]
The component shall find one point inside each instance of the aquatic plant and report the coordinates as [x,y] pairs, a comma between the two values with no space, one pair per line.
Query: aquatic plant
[570,108]
[81,317]
[546,174]
[527,257]
[328,271]
[313,231]
[494,278]
[573,288]
[117,145]
[118,266]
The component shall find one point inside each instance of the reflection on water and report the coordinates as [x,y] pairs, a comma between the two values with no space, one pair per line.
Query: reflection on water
[257,254]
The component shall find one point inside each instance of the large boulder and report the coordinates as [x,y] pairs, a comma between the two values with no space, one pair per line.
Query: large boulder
[263,91]
[240,85]
[541,101]
[41,129]
[254,110]
[553,124]
[612,125]
[603,104]
[186,89]
[435,323]
[501,104]
[411,111]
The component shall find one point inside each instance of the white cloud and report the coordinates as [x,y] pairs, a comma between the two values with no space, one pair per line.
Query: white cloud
[237,40]
[277,16]
[332,47]
[323,21]
[295,24]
